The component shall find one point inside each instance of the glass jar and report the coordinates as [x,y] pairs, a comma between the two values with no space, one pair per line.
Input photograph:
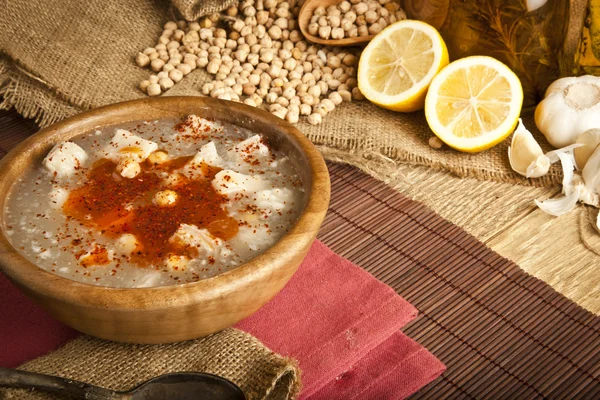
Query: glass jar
[527,35]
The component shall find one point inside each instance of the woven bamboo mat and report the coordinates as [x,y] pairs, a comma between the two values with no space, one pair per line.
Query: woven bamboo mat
[502,333]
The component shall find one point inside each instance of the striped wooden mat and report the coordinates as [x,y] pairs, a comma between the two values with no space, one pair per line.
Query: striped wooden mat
[501,333]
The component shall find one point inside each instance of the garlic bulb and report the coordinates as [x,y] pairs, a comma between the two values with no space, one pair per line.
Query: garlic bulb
[571,106]
[589,140]
[525,154]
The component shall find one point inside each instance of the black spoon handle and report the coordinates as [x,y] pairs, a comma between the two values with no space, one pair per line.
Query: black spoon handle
[79,390]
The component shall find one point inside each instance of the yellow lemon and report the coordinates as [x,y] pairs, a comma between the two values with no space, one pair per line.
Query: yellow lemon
[474,103]
[398,64]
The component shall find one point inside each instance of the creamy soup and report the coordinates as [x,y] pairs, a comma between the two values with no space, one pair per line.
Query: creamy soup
[154,203]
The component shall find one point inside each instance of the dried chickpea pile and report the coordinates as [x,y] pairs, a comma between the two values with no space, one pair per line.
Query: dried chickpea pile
[257,55]
[354,18]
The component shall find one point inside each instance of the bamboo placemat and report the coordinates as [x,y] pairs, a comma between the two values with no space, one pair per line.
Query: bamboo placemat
[502,333]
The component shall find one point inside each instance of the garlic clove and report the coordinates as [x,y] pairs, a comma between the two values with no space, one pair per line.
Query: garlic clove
[538,168]
[591,172]
[559,206]
[525,154]
[589,139]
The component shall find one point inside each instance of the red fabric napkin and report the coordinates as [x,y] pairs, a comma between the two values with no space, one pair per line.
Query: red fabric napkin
[342,325]
[337,320]
[26,331]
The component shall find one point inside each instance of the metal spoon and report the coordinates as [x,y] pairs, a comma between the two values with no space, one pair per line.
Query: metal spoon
[177,386]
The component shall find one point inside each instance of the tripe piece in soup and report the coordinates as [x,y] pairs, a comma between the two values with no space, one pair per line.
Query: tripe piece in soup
[154,203]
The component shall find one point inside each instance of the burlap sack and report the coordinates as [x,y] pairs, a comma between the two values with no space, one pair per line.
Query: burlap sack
[231,353]
[62,57]
[191,10]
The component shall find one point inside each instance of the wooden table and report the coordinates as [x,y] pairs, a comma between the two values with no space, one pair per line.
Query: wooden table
[502,333]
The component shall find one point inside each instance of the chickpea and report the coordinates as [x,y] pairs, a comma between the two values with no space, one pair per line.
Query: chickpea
[357,94]
[142,60]
[153,89]
[324,32]
[314,119]
[158,157]
[128,168]
[166,84]
[165,198]
[144,85]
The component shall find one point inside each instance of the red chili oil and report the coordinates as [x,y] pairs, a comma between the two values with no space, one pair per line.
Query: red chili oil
[116,205]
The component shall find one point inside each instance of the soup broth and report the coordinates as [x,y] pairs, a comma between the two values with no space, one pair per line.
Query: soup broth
[154,203]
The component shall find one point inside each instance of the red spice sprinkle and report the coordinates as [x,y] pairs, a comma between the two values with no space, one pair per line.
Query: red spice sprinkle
[106,199]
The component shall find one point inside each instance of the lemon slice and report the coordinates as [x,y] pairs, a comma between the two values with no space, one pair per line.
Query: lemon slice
[398,64]
[474,103]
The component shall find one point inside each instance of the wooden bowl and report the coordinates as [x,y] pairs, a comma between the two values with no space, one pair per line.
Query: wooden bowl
[306,13]
[177,312]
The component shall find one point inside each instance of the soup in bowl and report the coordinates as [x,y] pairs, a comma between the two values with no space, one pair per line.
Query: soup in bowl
[160,220]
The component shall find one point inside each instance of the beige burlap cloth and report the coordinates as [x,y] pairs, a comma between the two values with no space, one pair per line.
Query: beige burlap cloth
[231,353]
[63,57]
[58,58]
[193,9]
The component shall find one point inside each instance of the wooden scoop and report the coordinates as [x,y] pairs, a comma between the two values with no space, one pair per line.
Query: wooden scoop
[306,13]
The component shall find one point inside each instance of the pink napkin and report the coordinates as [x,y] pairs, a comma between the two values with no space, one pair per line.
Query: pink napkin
[26,331]
[337,320]
[342,325]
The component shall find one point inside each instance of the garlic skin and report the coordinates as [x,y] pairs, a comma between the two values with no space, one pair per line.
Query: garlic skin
[570,107]
[559,206]
[566,203]
[576,187]
[589,140]
[525,154]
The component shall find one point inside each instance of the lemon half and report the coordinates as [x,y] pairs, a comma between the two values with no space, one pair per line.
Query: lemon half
[398,64]
[474,103]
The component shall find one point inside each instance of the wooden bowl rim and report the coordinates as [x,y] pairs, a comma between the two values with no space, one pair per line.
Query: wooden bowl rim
[276,257]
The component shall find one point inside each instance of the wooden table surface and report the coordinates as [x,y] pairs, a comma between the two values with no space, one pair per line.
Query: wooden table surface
[502,333]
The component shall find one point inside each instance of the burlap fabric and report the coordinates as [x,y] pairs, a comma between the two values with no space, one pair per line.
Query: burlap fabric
[231,353]
[192,9]
[63,57]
